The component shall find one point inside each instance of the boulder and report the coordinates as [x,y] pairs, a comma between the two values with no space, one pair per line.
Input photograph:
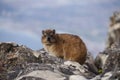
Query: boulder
[18,62]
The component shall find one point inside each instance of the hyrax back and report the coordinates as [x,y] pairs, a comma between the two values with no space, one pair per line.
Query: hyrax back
[114,30]
[66,46]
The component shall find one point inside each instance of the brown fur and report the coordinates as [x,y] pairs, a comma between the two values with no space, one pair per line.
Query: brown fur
[114,30]
[66,46]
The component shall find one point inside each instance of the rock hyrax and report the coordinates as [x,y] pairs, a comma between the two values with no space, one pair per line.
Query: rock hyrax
[66,46]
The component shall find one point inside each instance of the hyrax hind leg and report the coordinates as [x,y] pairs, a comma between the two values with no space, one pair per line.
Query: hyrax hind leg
[73,54]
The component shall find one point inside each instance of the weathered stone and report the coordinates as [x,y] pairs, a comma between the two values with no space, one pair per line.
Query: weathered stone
[77,77]
[14,57]
[18,62]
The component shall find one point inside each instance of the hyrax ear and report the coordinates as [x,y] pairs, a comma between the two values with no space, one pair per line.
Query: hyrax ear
[53,31]
[43,32]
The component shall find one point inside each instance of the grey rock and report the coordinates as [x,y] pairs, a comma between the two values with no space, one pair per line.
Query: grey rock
[77,77]
[109,62]
[21,63]
[100,60]
[113,61]
[17,62]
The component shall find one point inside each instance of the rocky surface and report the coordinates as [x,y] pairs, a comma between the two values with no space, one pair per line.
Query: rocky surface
[109,62]
[17,62]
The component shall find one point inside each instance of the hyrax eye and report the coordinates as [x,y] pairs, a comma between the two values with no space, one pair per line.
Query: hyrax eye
[44,34]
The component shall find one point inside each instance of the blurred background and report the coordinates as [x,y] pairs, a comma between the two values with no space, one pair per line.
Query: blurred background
[22,21]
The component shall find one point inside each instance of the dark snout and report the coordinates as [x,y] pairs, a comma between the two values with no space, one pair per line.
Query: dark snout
[48,38]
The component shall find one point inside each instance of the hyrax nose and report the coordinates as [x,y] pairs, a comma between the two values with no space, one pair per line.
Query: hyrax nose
[48,38]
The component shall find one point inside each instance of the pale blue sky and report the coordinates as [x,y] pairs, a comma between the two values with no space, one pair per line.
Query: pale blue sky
[22,21]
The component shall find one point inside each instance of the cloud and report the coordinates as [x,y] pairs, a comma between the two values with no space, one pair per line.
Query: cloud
[35,7]
[25,4]
[87,18]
